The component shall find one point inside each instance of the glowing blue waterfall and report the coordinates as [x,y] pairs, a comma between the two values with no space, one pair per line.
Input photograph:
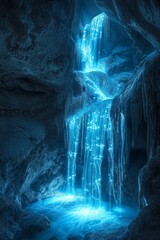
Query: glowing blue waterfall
[91,44]
[73,131]
[98,130]
[94,125]
[111,188]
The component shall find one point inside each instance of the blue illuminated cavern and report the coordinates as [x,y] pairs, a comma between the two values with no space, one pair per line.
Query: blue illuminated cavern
[79,120]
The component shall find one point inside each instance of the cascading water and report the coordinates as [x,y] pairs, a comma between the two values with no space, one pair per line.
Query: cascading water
[94,128]
[91,44]
[73,127]
[91,130]
[96,124]
[90,150]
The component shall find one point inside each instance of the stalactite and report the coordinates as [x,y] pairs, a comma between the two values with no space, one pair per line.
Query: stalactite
[126,114]
[149,104]
[120,151]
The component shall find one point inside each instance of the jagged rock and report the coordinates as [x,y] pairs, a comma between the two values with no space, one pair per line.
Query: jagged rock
[32,224]
[137,102]
[140,17]
[35,61]
[102,235]
[146,226]
[10,215]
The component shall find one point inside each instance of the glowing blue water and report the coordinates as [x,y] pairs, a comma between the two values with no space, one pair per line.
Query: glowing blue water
[71,219]
[73,131]
[95,130]
[111,166]
[90,132]
[91,44]
[97,125]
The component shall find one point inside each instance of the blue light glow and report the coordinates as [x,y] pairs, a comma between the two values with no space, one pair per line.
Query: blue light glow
[91,44]
[97,126]
[73,127]
[90,213]
[65,198]
[90,138]
[70,217]
[96,91]
[91,131]
[119,210]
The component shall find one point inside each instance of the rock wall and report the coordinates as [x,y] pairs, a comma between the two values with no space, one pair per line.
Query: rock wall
[139,132]
[139,18]
[139,103]
[35,71]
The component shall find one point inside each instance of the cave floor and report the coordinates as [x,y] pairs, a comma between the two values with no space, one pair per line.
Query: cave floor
[71,219]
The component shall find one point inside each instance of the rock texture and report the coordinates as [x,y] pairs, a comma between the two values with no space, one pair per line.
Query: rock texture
[139,103]
[139,132]
[146,225]
[10,214]
[31,224]
[33,72]
[140,19]
[35,65]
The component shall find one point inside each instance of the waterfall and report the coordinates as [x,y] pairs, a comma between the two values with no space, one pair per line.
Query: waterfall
[91,44]
[73,132]
[97,125]
[111,189]
[90,131]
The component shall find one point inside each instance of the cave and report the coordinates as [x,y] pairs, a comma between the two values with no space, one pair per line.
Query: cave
[79,120]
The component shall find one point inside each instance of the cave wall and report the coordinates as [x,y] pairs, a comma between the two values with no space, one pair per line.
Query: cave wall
[139,18]
[35,70]
[139,102]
